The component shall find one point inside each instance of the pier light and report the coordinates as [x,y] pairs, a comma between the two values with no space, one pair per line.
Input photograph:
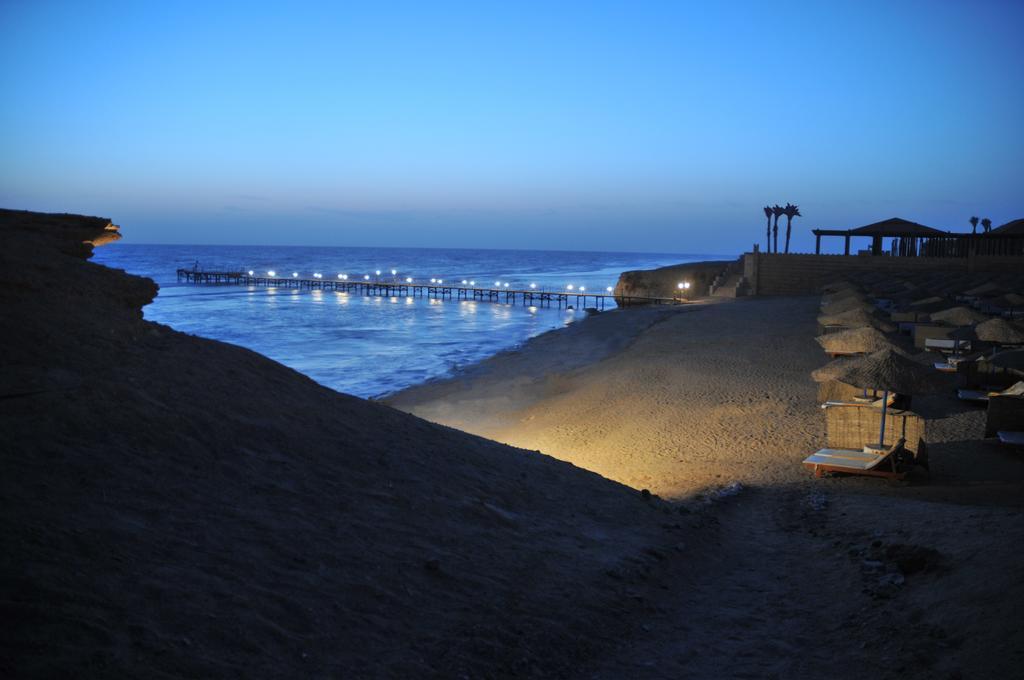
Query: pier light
[505,284]
[533,286]
[686,285]
[251,272]
[472,283]
[569,287]
[582,288]
[366,277]
[609,289]
[317,275]
[394,272]
[378,272]
[408,279]
[440,280]
[433,280]
[271,273]
[464,282]
[295,275]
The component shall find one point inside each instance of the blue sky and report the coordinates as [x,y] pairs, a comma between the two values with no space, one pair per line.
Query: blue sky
[598,126]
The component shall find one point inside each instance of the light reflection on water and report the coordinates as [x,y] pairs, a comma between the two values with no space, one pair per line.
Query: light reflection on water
[367,346]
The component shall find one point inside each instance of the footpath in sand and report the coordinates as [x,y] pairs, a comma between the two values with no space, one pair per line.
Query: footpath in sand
[844,577]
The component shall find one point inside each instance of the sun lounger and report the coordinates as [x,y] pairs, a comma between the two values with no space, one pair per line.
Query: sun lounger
[866,462]
[1011,438]
[947,345]
[862,401]
[945,367]
[973,395]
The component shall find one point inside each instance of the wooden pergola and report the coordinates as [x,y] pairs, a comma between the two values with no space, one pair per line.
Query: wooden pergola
[894,227]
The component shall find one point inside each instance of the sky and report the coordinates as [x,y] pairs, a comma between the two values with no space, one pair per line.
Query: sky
[639,126]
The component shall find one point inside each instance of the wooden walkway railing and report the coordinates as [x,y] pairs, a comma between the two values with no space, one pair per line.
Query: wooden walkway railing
[528,297]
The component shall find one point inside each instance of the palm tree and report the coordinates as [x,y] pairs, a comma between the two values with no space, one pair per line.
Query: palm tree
[790,211]
[974,225]
[768,214]
[778,211]
[986,224]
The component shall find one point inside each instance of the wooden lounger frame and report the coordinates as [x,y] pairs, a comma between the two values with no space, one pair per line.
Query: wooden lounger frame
[888,456]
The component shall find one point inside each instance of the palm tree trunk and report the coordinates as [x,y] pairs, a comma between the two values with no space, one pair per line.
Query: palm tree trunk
[769,234]
[776,232]
[789,228]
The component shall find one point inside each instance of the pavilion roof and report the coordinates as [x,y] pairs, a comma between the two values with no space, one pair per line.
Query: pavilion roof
[896,226]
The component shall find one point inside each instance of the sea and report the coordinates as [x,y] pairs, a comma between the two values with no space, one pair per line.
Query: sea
[362,345]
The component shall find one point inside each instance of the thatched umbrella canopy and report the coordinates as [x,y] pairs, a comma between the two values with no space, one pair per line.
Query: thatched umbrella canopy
[846,305]
[958,316]
[999,332]
[856,318]
[1009,300]
[862,340]
[837,286]
[886,288]
[841,296]
[988,289]
[890,371]
[833,369]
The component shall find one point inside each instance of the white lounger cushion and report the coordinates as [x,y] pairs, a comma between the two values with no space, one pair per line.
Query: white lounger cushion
[1015,438]
[854,460]
[947,345]
[972,395]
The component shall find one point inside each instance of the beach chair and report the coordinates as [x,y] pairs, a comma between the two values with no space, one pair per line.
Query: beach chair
[974,395]
[868,461]
[1010,438]
[1005,411]
[873,400]
[947,346]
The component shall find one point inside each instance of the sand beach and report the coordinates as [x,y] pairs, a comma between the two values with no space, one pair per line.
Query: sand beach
[622,498]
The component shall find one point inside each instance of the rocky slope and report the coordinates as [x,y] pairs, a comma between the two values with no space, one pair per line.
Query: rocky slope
[662,282]
[178,507]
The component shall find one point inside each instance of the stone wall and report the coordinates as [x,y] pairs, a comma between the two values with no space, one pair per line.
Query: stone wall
[780,274]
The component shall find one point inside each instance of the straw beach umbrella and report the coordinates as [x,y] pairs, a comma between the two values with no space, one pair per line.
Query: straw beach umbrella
[843,294]
[959,316]
[862,340]
[999,332]
[837,286]
[856,318]
[846,305]
[835,368]
[889,371]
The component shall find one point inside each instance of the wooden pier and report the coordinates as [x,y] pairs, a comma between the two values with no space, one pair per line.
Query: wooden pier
[378,288]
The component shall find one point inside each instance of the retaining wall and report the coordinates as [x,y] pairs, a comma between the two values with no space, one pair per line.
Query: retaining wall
[782,274]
